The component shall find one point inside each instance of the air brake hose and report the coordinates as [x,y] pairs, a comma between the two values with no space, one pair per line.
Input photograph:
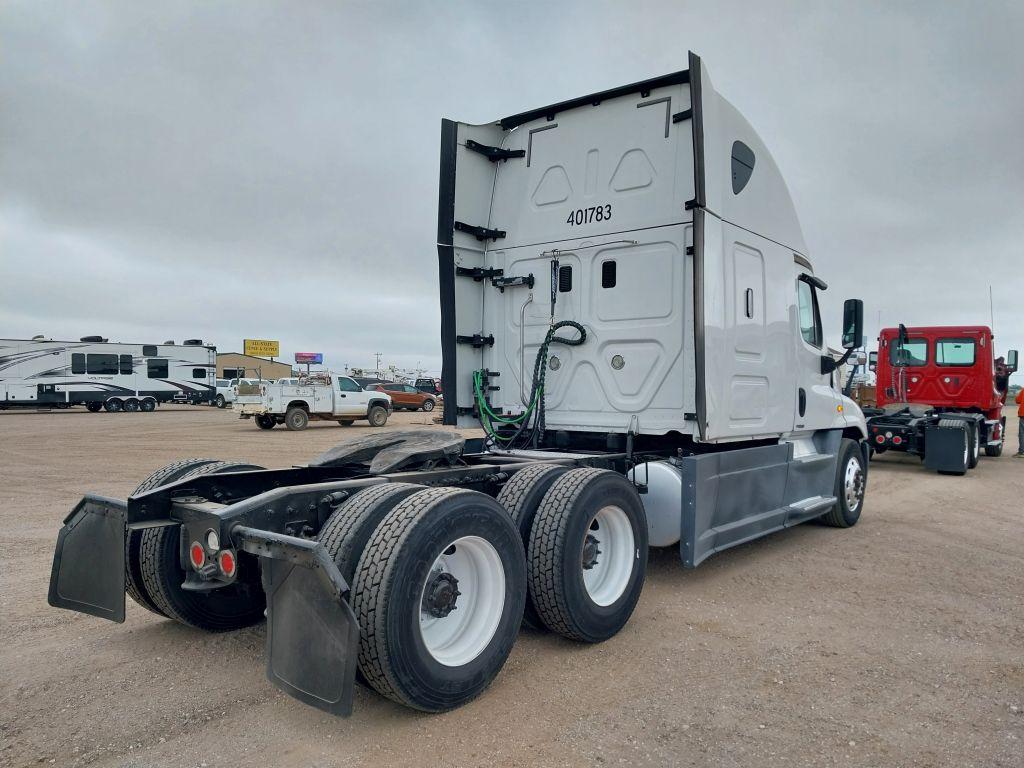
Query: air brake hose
[536,406]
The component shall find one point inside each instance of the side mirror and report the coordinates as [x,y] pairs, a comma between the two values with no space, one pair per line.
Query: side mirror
[853,323]
[1011,361]
[872,361]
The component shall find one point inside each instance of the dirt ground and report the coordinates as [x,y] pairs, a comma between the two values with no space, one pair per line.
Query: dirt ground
[899,642]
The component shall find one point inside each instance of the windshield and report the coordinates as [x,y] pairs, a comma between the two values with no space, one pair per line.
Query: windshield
[954,352]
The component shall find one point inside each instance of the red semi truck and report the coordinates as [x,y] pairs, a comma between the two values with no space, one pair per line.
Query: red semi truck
[940,395]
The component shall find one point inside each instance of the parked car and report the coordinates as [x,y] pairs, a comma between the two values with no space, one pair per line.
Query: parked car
[225,393]
[406,396]
[433,386]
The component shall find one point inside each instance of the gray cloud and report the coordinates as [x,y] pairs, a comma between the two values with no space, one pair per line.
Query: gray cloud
[270,169]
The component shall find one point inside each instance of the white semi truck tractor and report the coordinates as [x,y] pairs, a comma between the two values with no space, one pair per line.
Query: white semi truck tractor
[631,314]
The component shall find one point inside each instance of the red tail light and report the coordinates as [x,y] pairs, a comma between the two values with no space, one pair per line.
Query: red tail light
[897,440]
[227,563]
[197,555]
[880,439]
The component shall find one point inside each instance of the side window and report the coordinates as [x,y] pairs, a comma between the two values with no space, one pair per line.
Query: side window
[149,350]
[199,373]
[347,385]
[742,166]
[954,352]
[810,321]
[407,388]
[125,365]
[156,369]
[102,365]
[77,362]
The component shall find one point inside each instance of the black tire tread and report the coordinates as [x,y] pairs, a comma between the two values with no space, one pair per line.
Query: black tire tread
[547,545]
[834,517]
[514,496]
[336,535]
[371,590]
[151,562]
[133,575]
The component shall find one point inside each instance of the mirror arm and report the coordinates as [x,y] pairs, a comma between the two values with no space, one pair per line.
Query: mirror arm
[828,364]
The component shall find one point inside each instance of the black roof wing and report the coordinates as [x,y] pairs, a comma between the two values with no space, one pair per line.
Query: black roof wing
[594,99]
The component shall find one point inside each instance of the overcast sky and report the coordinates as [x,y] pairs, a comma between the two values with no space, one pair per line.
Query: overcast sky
[243,169]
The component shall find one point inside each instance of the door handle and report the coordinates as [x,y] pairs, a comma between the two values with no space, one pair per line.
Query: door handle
[802,401]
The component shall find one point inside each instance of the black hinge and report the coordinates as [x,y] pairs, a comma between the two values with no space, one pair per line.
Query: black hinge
[689,250]
[479,273]
[494,154]
[689,205]
[495,276]
[678,117]
[510,282]
[476,340]
[480,233]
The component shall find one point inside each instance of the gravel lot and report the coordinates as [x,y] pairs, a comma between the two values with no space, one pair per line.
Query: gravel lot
[899,642]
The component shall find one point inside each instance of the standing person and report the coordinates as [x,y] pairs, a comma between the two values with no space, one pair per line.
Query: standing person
[1020,424]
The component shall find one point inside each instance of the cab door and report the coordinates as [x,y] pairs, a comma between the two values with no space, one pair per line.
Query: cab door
[816,399]
[349,397]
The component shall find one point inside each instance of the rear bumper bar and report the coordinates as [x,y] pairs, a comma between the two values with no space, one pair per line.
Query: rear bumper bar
[312,634]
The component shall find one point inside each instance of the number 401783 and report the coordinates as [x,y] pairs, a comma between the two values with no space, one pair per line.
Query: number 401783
[589,215]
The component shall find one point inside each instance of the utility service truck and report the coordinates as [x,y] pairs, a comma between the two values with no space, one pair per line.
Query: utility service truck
[102,375]
[318,396]
[940,395]
[630,312]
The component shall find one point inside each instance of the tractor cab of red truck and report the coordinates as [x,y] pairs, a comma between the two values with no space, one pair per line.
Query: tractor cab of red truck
[940,385]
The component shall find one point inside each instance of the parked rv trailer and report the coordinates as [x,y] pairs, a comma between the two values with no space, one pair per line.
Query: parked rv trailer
[629,310]
[104,375]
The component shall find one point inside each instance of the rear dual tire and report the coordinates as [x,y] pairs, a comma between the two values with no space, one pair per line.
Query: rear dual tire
[438,590]
[154,574]
[587,554]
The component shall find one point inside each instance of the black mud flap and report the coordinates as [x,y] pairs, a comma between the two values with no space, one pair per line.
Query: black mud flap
[944,449]
[312,634]
[88,563]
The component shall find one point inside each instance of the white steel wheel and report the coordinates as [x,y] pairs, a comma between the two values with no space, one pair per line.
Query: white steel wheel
[607,558]
[438,593]
[462,601]
[853,485]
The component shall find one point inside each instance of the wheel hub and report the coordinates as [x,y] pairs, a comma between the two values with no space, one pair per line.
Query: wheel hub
[590,552]
[440,595]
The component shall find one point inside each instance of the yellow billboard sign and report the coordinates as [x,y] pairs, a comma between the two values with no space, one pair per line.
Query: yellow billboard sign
[261,348]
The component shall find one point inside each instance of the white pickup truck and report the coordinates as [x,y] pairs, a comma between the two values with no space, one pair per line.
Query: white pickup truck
[323,396]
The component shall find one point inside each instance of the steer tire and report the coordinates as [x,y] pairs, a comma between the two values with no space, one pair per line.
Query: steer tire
[521,496]
[388,598]
[132,567]
[561,528]
[217,610]
[377,416]
[220,402]
[845,514]
[296,419]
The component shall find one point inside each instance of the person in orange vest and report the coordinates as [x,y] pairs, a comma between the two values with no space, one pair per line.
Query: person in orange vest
[1020,424]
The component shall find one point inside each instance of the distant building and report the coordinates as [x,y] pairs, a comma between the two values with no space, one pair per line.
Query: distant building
[233,365]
